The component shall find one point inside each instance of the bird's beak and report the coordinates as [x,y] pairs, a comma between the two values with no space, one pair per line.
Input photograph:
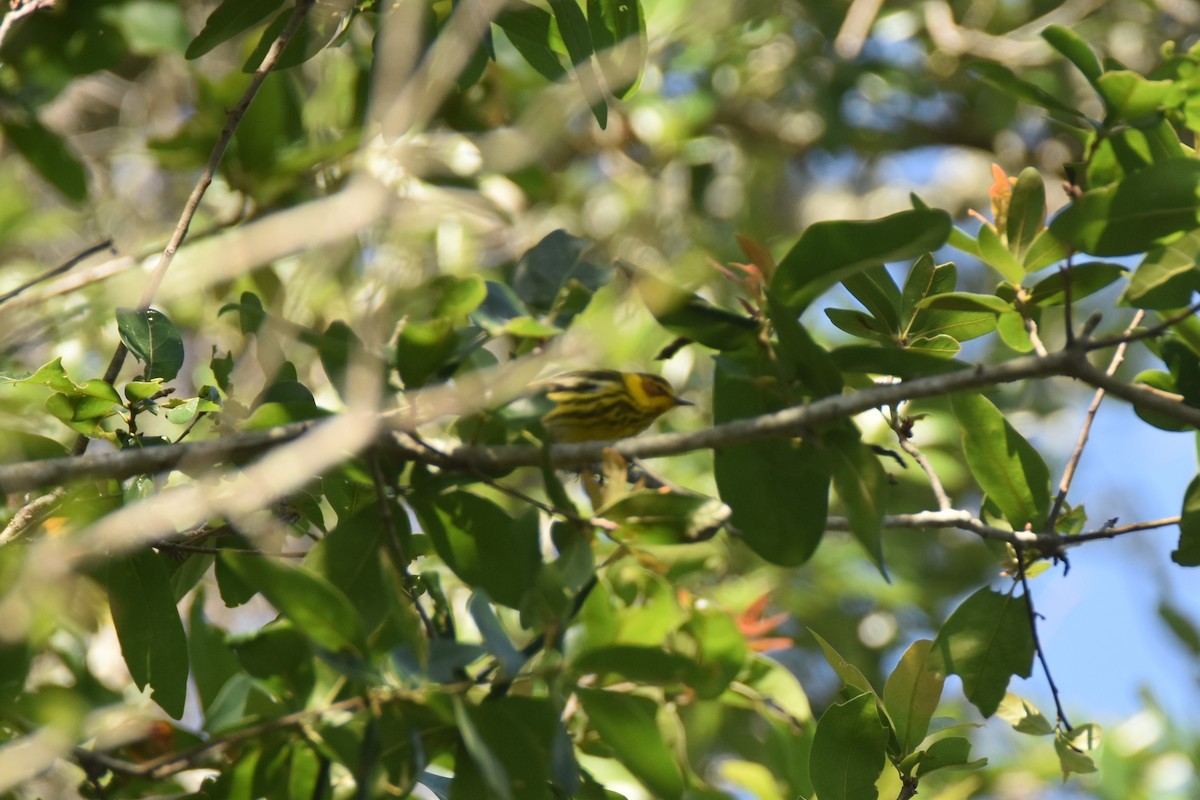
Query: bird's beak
[679,401]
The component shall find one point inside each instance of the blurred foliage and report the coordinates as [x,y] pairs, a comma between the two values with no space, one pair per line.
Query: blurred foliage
[716,184]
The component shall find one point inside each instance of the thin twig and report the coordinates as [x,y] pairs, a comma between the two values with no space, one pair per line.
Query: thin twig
[196,548]
[233,119]
[1146,333]
[87,252]
[395,546]
[1033,633]
[28,515]
[1064,485]
[901,428]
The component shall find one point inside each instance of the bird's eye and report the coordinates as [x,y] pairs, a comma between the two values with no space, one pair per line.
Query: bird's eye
[653,388]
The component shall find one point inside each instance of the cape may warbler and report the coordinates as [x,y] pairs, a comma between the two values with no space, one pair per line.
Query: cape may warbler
[604,404]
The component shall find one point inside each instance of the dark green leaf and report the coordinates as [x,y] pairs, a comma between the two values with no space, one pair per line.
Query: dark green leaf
[577,36]
[900,363]
[985,642]
[861,485]
[627,724]
[1011,473]
[48,154]
[482,544]
[876,290]
[528,28]
[152,339]
[229,19]
[1164,382]
[800,353]
[213,662]
[324,21]
[350,558]
[551,267]
[911,695]
[1086,280]
[639,663]
[619,37]
[692,316]
[860,324]
[148,626]
[1188,552]
[848,750]
[778,490]
[924,280]
[1167,276]
[1145,209]
[316,607]
[829,252]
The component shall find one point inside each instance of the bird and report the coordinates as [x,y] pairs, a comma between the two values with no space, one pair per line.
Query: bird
[604,404]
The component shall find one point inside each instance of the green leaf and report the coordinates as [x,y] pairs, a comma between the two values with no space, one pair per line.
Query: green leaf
[1129,97]
[848,750]
[1145,209]
[577,36]
[861,485]
[480,543]
[1024,718]
[316,607]
[949,753]
[986,641]
[229,19]
[1073,746]
[324,21]
[690,315]
[778,490]
[546,272]
[1002,78]
[1167,276]
[851,675]
[801,354]
[627,724]
[1086,280]
[997,256]
[1130,149]
[829,252]
[148,626]
[911,695]
[213,663]
[1187,554]
[721,650]
[655,517]
[47,153]
[640,663]
[424,350]
[910,363]
[924,280]
[1009,470]
[876,290]
[521,741]
[1026,212]
[1164,382]
[779,685]
[619,36]
[860,324]
[1045,250]
[350,557]
[1076,50]
[152,339]
[528,28]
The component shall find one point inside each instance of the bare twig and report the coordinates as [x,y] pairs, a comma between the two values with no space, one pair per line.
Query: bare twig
[1146,333]
[105,244]
[20,10]
[1064,485]
[1033,633]
[30,514]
